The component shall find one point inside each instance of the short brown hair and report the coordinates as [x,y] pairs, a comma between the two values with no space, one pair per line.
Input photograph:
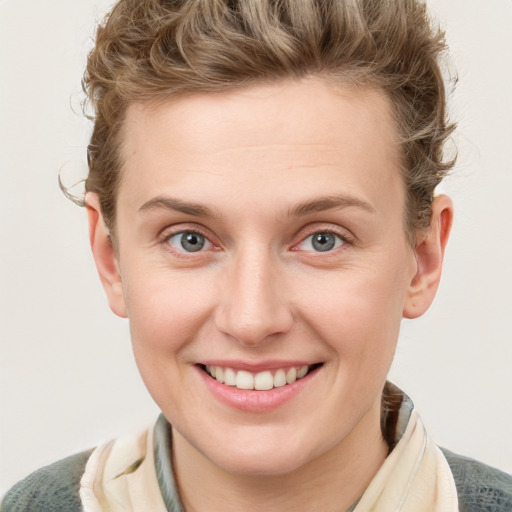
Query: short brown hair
[148,50]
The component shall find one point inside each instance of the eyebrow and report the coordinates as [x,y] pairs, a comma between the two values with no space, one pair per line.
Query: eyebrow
[302,209]
[322,204]
[169,203]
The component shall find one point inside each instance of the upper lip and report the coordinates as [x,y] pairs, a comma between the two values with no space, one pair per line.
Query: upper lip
[255,367]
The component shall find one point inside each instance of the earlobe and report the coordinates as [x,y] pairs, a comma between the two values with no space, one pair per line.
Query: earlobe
[429,254]
[105,256]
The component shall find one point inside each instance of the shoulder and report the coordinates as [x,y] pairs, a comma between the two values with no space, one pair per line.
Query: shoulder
[479,487]
[49,489]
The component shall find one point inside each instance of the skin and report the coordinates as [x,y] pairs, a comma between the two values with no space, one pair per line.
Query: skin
[251,160]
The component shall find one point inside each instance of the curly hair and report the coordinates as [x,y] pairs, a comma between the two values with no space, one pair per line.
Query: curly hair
[149,50]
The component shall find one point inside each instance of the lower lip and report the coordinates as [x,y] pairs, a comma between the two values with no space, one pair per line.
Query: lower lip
[252,400]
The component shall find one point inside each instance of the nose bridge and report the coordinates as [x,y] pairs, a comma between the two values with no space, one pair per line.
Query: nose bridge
[253,305]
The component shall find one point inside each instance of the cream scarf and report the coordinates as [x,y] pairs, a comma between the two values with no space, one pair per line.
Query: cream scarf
[120,476]
[415,477]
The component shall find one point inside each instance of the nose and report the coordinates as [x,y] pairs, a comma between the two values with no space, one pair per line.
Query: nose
[253,306]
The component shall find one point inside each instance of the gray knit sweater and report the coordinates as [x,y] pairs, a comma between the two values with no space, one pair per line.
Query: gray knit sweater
[54,488]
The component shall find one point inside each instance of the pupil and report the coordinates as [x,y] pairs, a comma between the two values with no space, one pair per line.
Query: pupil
[192,242]
[323,242]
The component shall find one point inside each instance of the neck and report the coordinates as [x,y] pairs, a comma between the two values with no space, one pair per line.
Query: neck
[332,481]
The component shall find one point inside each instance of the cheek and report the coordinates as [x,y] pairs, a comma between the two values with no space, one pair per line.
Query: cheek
[165,310]
[358,313]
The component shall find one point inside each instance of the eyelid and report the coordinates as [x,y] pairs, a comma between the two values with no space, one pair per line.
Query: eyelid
[184,227]
[344,235]
[207,245]
[172,231]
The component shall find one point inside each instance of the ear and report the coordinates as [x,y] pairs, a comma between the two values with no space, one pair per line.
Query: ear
[429,253]
[105,256]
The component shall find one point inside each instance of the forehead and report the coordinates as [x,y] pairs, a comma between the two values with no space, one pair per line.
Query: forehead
[299,136]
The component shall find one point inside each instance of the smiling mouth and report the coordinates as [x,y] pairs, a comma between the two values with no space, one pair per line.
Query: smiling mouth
[261,381]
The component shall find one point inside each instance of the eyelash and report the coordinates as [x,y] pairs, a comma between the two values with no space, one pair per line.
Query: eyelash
[166,239]
[343,239]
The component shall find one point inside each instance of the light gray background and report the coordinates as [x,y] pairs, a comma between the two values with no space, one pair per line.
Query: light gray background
[67,378]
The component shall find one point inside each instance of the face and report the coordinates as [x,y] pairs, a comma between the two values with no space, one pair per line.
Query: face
[260,236]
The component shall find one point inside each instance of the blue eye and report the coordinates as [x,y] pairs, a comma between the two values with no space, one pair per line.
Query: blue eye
[322,241]
[189,241]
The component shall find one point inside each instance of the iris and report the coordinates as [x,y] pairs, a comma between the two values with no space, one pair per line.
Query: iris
[323,242]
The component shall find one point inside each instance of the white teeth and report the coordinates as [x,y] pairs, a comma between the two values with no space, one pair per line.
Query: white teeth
[229,377]
[301,372]
[219,374]
[291,375]
[279,379]
[261,381]
[244,380]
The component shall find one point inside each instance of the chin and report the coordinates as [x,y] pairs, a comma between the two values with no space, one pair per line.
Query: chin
[261,455]
[260,465]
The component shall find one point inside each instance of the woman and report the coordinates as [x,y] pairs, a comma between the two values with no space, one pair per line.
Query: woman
[261,207]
